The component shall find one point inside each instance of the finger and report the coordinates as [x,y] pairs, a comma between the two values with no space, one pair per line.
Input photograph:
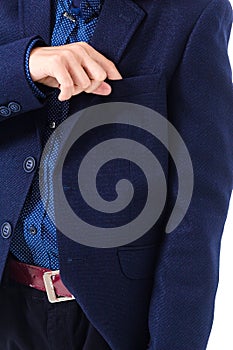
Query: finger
[97,75]
[94,85]
[77,90]
[49,81]
[78,74]
[104,89]
[108,66]
[93,69]
[111,70]
[66,84]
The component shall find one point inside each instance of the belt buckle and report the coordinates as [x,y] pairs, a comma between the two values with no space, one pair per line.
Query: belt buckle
[50,290]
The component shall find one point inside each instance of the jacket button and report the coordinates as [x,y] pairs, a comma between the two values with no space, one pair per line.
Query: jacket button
[33,230]
[6,230]
[14,107]
[5,111]
[29,164]
[52,125]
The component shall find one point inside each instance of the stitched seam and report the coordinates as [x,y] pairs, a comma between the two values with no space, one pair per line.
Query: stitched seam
[188,40]
[199,18]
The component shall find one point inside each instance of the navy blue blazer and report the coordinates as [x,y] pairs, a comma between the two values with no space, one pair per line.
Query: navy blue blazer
[173,58]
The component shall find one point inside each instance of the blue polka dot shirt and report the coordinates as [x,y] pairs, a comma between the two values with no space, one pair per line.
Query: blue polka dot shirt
[34,241]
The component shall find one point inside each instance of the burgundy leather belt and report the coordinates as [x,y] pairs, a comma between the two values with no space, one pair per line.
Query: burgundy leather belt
[39,278]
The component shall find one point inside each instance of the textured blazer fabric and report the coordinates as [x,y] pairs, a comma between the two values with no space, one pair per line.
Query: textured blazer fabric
[157,292]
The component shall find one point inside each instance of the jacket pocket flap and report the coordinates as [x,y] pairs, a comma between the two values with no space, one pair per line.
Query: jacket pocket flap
[137,262]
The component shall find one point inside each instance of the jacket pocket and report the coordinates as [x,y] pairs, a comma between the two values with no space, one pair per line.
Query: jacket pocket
[137,262]
[147,90]
[135,85]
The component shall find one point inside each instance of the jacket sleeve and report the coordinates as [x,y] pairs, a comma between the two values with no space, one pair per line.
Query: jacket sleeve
[200,104]
[16,94]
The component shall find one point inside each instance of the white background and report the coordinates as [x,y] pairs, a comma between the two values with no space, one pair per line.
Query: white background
[221,337]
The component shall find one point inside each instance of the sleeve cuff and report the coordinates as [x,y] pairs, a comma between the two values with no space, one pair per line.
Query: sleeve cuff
[37,92]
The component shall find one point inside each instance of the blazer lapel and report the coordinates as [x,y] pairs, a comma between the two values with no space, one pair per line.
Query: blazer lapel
[35,18]
[116,25]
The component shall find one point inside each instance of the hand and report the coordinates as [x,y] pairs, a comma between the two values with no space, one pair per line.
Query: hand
[73,68]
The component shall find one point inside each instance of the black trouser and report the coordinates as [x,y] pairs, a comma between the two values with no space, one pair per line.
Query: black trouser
[28,321]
